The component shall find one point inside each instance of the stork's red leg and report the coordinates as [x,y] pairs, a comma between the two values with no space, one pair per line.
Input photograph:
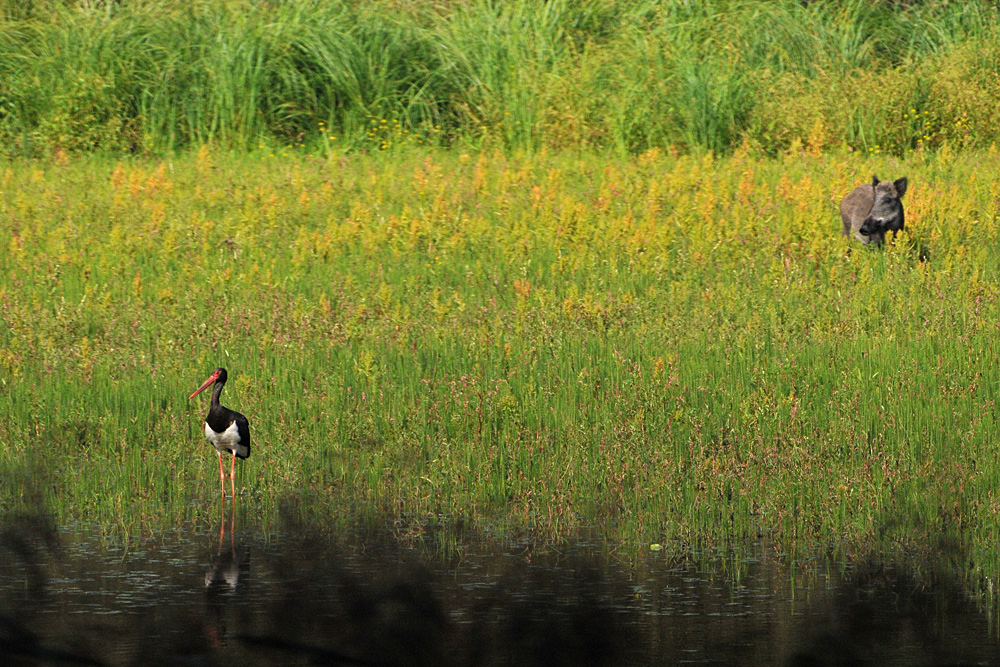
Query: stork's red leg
[222,475]
[232,477]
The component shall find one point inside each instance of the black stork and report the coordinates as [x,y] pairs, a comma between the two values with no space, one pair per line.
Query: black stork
[226,429]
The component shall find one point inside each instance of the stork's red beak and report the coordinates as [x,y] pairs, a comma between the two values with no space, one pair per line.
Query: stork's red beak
[208,383]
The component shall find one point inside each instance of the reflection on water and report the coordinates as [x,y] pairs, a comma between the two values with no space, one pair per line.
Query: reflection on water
[224,575]
[232,596]
[222,579]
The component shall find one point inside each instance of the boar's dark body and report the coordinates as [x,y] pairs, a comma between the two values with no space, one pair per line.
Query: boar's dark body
[869,211]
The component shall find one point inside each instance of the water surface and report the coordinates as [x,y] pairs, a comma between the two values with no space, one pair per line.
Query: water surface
[243,596]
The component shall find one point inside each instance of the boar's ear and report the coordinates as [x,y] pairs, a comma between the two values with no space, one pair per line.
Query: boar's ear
[874,180]
[900,186]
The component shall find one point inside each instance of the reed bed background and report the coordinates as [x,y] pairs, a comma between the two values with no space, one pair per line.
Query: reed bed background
[668,348]
[626,75]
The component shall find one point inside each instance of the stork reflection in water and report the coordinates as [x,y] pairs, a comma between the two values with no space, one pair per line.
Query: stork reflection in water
[225,572]
[223,578]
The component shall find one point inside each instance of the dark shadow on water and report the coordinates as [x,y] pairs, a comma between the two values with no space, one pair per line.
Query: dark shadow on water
[884,614]
[28,541]
[309,597]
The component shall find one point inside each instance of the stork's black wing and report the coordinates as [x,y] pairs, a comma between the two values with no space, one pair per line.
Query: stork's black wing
[243,428]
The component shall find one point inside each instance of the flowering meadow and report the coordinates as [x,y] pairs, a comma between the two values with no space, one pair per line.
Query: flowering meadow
[667,349]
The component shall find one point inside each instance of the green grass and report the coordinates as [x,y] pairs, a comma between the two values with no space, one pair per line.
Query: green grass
[671,348]
[154,77]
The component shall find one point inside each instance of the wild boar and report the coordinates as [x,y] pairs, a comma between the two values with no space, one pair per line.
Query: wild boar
[869,211]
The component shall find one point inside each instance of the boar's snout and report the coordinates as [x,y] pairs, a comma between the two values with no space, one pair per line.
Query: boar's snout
[870,226]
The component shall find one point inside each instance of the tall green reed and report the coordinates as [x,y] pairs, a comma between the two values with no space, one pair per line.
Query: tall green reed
[156,77]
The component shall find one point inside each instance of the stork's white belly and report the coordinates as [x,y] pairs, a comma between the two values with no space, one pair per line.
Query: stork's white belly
[228,440]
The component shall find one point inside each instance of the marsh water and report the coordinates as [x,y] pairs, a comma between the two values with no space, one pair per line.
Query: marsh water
[233,594]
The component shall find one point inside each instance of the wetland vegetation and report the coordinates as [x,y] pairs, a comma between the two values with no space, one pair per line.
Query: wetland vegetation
[675,348]
[460,278]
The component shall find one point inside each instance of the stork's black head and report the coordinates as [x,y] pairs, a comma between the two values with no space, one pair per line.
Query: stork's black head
[218,375]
